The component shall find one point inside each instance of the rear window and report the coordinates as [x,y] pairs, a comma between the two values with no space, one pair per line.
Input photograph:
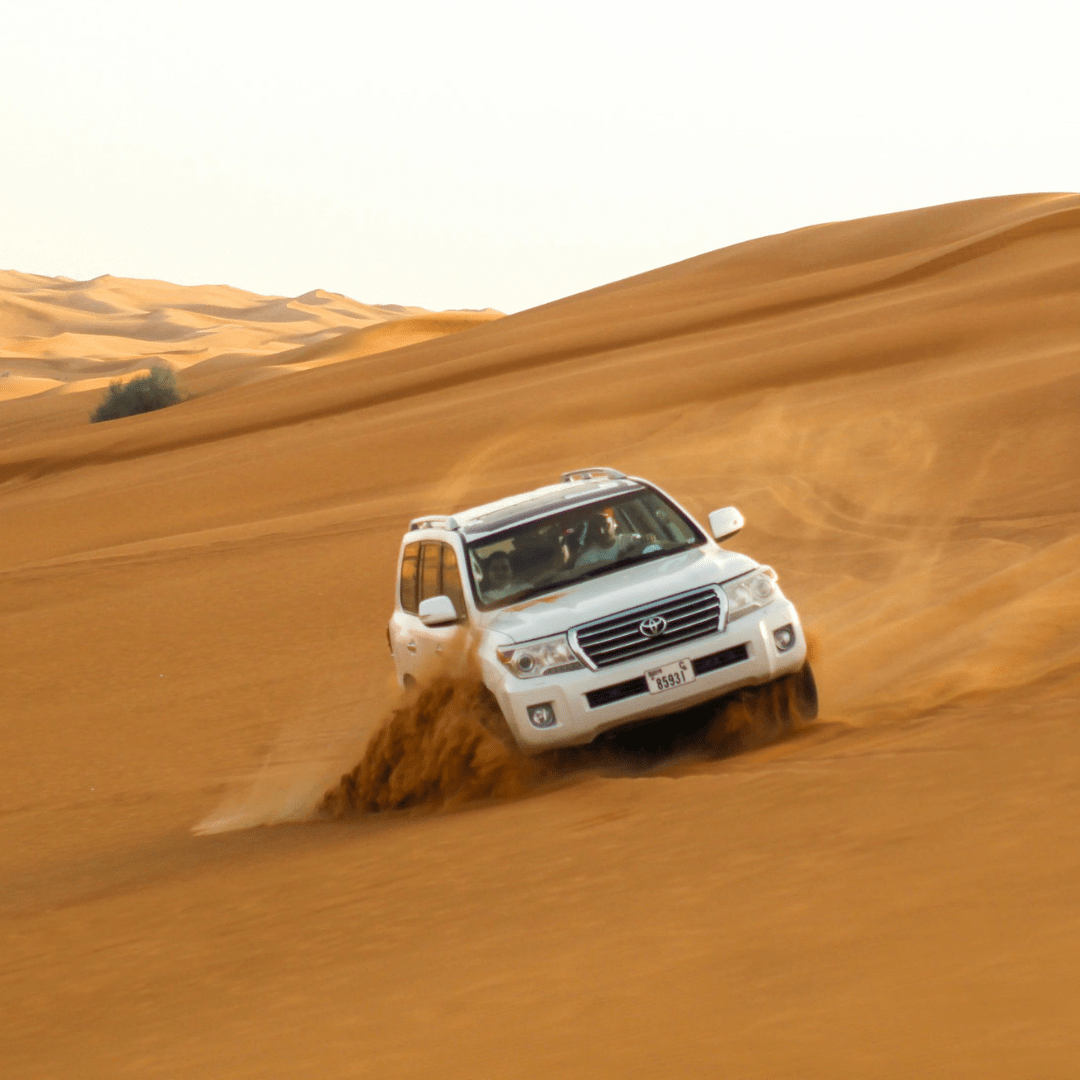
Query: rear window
[409,560]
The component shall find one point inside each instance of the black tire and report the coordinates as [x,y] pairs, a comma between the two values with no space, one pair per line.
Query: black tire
[491,717]
[758,715]
[800,695]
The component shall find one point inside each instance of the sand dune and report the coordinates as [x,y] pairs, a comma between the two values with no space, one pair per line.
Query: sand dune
[192,613]
[74,336]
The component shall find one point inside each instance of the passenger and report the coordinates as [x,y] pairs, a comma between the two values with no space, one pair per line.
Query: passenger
[498,580]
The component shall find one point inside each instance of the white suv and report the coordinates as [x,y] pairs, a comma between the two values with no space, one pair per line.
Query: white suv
[593,603]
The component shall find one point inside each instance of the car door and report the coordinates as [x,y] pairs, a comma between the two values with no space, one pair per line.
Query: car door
[428,568]
[405,623]
[439,576]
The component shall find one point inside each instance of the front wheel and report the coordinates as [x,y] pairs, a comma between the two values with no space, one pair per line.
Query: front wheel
[798,696]
[758,715]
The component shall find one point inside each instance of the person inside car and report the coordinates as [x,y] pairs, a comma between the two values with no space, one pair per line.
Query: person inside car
[602,542]
[498,579]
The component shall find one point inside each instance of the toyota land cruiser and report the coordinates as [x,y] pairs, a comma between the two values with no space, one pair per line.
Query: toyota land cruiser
[592,604]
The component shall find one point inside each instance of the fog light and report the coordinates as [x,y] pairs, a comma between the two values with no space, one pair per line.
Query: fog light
[784,638]
[542,715]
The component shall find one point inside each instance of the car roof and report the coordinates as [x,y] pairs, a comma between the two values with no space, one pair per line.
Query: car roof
[541,502]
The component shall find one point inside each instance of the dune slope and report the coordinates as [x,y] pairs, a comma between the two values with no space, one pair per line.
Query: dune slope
[192,617]
[70,337]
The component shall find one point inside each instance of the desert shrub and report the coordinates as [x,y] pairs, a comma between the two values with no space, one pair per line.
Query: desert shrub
[158,390]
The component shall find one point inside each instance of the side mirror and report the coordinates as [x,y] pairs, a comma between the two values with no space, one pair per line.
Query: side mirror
[437,611]
[726,522]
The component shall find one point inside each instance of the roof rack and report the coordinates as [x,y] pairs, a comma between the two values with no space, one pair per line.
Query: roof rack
[589,474]
[442,522]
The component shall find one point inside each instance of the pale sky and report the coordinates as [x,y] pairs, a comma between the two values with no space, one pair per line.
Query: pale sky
[477,154]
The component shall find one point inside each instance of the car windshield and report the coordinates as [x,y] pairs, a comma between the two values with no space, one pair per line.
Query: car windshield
[556,551]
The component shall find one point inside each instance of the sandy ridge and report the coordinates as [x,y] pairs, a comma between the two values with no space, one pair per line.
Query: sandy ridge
[64,336]
[193,613]
[697,308]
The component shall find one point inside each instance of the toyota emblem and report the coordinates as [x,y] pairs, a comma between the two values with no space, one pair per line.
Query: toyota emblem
[653,627]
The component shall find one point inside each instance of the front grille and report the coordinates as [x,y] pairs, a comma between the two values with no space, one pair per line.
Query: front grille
[632,687]
[618,638]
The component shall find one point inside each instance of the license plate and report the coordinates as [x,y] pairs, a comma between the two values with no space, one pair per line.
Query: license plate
[669,676]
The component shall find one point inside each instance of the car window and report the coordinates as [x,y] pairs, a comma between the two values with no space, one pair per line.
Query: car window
[451,579]
[409,599]
[430,571]
[576,543]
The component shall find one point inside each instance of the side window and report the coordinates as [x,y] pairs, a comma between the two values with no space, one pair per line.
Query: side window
[451,579]
[409,600]
[430,584]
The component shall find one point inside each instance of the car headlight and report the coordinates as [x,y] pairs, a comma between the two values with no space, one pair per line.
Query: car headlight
[547,656]
[748,593]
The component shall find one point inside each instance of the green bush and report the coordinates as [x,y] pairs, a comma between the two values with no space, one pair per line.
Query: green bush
[158,390]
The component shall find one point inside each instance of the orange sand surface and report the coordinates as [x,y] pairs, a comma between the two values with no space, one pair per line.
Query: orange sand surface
[63,336]
[192,611]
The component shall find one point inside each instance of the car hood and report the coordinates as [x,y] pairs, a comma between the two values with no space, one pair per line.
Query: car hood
[557,611]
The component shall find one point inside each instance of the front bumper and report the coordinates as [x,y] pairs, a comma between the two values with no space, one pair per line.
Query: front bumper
[587,703]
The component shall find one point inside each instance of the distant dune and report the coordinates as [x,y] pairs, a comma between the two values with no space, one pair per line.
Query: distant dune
[74,336]
[193,607]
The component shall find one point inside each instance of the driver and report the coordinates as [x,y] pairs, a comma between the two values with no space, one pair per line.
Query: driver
[602,542]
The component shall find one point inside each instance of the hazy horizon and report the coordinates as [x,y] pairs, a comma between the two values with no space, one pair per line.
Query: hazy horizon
[501,157]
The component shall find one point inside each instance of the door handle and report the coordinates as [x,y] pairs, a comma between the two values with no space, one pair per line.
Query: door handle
[411,646]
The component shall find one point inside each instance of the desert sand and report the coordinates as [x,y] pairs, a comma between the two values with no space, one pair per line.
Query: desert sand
[192,611]
[60,336]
